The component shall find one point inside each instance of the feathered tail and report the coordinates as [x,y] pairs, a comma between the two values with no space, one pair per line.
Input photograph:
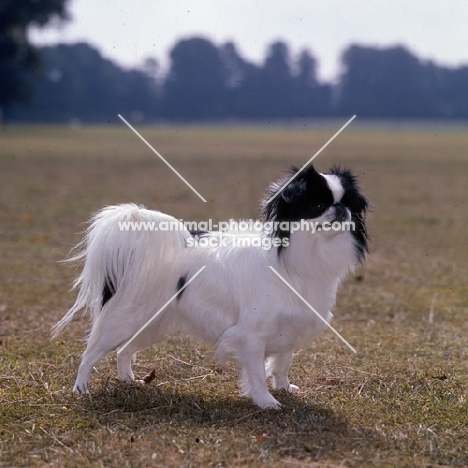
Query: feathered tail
[125,248]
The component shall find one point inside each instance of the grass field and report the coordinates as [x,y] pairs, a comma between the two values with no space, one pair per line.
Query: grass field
[400,401]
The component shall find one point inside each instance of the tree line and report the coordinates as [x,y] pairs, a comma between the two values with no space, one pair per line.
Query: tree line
[208,82]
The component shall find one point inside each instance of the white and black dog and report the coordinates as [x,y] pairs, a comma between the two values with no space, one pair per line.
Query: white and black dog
[237,303]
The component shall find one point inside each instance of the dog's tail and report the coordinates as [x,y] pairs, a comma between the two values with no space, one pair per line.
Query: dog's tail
[125,247]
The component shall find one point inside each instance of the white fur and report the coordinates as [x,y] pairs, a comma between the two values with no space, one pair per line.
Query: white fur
[335,186]
[236,303]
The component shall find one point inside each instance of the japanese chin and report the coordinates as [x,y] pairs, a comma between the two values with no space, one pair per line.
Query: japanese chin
[136,285]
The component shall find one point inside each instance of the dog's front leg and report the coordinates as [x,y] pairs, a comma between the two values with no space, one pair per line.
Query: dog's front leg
[277,367]
[253,375]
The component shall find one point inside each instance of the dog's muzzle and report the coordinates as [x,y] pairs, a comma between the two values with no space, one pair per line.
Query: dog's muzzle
[341,213]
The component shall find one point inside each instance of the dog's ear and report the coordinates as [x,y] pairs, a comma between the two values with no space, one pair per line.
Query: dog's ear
[356,201]
[297,187]
[362,203]
[353,197]
[293,191]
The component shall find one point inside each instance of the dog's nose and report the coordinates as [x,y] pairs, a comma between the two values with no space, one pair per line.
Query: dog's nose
[340,212]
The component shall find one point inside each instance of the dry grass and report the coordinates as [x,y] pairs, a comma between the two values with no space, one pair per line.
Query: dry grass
[401,401]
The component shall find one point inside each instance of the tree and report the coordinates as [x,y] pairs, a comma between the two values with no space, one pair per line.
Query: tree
[311,99]
[242,81]
[307,73]
[277,83]
[385,83]
[78,83]
[456,90]
[195,85]
[18,58]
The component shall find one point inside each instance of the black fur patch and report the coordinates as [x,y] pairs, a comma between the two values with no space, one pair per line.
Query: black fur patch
[180,285]
[198,233]
[358,204]
[107,292]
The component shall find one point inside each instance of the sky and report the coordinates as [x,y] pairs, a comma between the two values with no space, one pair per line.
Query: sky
[128,32]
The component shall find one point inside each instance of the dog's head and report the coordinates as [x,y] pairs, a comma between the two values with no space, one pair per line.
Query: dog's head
[327,200]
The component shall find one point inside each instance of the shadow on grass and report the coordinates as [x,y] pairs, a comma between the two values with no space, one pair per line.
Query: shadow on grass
[299,429]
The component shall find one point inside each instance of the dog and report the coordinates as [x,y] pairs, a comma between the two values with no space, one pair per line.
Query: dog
[237,303]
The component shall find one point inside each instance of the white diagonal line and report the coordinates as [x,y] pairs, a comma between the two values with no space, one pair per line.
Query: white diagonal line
[162,158]
[160,310]
[311,159]
[313,310]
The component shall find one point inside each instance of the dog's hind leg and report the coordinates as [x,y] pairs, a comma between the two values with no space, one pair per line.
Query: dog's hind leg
[124,364]
[91,356]
[105,336]
[147,337]
[277,366]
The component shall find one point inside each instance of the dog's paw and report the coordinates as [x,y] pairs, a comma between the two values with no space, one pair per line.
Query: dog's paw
[275,405]
[82,389]
[284,385]
[292,388]
[267,402]
[140,381]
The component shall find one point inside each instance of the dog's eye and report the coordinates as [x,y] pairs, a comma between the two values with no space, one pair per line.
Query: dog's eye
[318,206]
